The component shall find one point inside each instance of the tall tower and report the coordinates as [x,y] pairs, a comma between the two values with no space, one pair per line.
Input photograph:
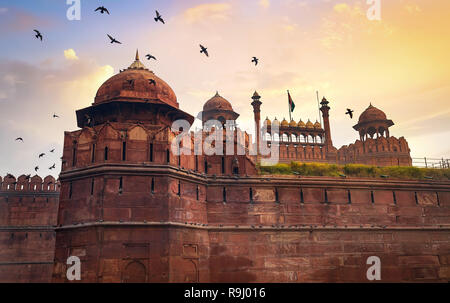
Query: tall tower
[257,113]
[124,193]
[326,122]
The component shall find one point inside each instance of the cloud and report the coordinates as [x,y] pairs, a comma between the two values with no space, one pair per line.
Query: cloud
[17,20]
[208,12]
[264,3]
[70,54]
[413,8]
[29,95]
[341,7]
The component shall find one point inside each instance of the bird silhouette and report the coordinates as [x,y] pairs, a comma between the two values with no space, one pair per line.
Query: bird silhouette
[53,150]
[52,167]
[19,139]
[55,116]
[150,57]
[151,81]
[41,155]
[102,9]
[36,168]
[204,50]
[255,60]
[113,40]
[38,34]
[350,113]
[159,18]
[27,177]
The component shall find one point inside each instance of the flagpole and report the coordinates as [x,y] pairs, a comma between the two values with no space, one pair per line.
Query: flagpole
[289,105]
[318,106]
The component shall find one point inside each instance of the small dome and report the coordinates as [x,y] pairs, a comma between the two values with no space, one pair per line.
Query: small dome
[301,124]
[372,114]
[317,125]
[217,103]
[134,84]
[284,122]
[293,123]
[276,122]
[309,124]
[267,121]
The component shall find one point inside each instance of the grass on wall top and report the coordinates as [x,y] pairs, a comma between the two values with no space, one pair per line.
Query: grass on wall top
[356,170]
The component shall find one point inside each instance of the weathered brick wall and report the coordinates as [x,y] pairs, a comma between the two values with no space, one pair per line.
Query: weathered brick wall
[28,212]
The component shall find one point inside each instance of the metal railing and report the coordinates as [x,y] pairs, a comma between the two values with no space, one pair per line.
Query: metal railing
[431,162]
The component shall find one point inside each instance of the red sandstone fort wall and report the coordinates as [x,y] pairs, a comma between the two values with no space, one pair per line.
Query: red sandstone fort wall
[28,212]
[267,229]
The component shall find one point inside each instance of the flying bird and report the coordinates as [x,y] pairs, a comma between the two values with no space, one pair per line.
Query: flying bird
[36,168]
[150,57]
[204,50]
[38,34]
[159,18]
[52,167]
[113,40]
[152,81]
[27,177]
[350,113]
[102,9]
[41,155]
[53,150]
[19,139]
[55,116]
[255,60]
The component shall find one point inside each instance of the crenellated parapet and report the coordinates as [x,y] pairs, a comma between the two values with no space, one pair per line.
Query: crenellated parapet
[380,151]
[28,183]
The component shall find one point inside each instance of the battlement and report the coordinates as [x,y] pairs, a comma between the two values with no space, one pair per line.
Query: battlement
[25,183]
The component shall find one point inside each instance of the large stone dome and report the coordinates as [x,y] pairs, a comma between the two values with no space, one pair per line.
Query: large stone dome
[217,103]
[134,84]
[372,114]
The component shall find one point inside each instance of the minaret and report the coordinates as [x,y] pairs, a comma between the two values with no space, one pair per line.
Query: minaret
[326,123]
[257,113]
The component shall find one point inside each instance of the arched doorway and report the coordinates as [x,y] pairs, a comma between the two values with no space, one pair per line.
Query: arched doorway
[134,272]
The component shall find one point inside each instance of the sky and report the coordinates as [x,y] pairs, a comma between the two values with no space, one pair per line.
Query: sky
[399,63]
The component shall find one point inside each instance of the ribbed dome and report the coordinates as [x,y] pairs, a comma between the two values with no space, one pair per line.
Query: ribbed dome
[309,124]
[317,125]
[293,123]
[217,103]
[135,84]
[284,122]
[301,124]
[372,114]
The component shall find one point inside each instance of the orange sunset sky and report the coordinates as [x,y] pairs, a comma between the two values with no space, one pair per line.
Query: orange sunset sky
[399,63]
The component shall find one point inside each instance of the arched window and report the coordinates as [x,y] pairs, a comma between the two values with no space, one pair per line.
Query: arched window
[268,137]
[276,138]
[106,153]
[294,138]
[302,138]
[285,138]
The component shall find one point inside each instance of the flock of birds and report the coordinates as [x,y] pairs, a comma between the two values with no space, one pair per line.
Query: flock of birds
[158,18]
[41,155]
